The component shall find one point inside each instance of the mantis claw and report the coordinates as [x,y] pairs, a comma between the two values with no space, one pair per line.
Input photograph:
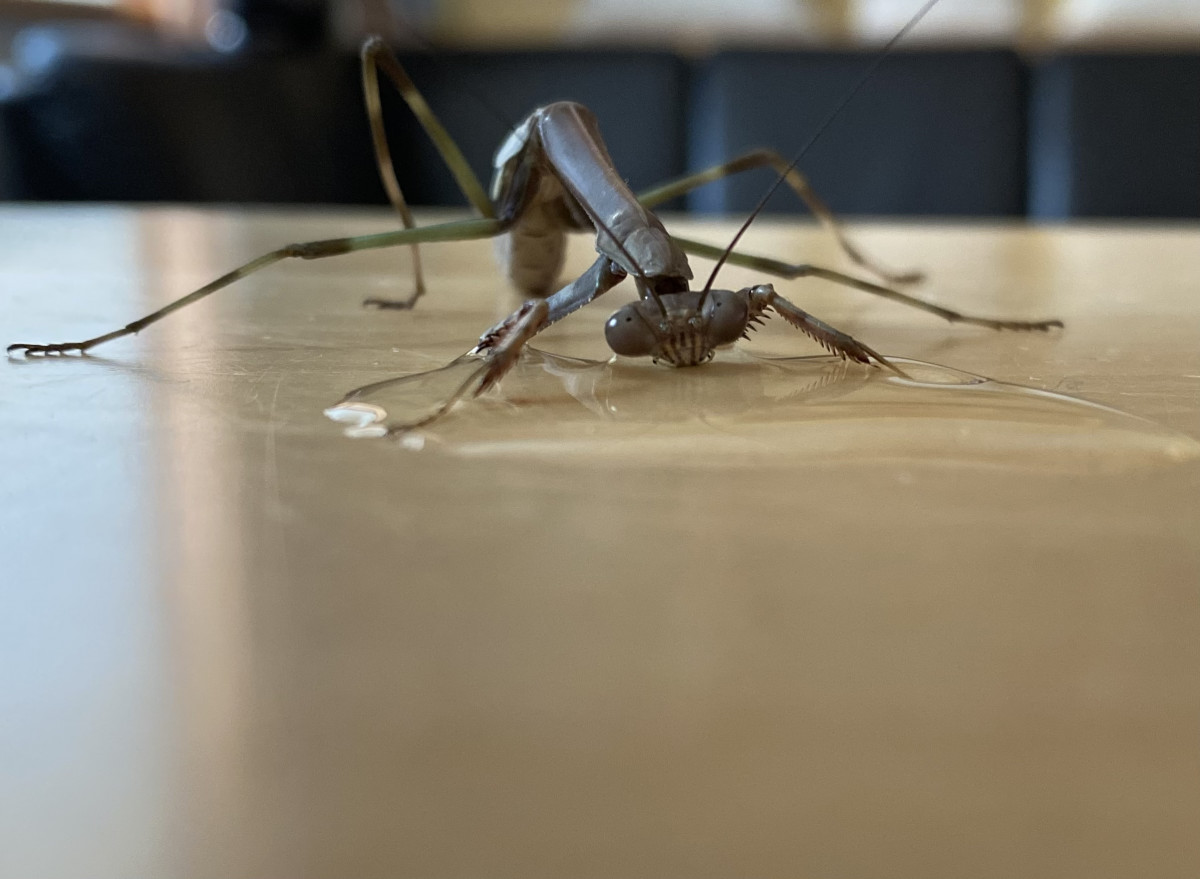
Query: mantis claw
[60,348]
[393,304]
[499,348]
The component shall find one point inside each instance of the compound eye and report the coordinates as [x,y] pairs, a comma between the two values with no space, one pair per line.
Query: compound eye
[629,334]
[726,313]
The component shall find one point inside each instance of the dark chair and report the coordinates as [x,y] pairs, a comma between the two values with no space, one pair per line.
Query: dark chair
[196,129]
[211,128]
[932,132]
[1115,136]
[37,47]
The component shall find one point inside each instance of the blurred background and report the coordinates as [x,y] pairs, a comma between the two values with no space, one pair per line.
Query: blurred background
[1049,109]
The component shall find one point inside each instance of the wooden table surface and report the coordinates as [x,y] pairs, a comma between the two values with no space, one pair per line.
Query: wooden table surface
[765,618]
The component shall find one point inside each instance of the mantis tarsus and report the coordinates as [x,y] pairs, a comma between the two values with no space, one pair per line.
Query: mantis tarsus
[553,174]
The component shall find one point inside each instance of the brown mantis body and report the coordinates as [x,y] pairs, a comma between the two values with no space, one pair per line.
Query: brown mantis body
[553,175]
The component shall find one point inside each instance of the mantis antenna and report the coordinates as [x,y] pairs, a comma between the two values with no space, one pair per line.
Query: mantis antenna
[833,114]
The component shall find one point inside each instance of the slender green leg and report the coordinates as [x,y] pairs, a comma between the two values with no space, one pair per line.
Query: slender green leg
[462,230]
[387,174]
[376,56]
[798,183]
[804,270]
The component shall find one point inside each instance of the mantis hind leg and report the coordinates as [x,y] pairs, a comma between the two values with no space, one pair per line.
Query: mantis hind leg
[799,184]
[376,56]
[791,271]
[462,230]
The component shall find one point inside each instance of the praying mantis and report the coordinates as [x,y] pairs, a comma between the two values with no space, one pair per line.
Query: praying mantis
[553,175]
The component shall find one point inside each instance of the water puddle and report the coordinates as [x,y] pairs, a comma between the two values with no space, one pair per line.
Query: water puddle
[745,407]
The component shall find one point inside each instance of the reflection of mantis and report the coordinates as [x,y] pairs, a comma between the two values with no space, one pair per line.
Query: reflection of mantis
[612,390]
[553,174]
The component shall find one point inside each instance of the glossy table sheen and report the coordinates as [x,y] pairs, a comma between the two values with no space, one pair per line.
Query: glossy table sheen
[676,624]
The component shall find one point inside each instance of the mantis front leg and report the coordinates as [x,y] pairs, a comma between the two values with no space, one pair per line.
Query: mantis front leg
[500,347]
[829,337]
[502,343]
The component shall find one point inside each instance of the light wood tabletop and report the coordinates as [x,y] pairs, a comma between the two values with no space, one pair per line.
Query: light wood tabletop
[772,616]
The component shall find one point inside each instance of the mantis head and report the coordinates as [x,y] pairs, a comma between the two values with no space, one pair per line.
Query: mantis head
[685,331]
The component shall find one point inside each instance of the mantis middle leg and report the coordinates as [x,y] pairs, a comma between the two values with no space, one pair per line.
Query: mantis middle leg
[377,56]
[798,183]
